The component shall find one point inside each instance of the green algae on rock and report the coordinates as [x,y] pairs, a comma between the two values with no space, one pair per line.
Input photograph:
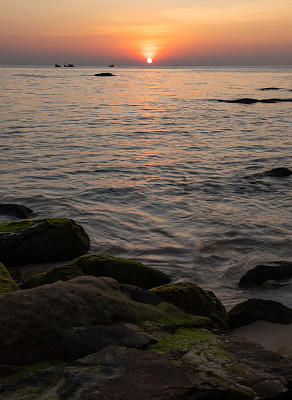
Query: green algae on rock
[60,273]
[124,271]
[194,300]
[41,240]
[7,283]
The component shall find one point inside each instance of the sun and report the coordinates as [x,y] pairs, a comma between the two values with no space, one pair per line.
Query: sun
[149,60]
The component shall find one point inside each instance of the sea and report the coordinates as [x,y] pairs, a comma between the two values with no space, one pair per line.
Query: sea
[155,167]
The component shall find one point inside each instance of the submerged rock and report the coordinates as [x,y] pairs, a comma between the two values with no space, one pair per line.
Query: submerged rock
[41,240]
[274,271]
[192,299]
[16,210]
[253,310]
[279,172]
[7,283]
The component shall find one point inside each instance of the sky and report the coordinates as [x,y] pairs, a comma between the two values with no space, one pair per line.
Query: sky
[127,32]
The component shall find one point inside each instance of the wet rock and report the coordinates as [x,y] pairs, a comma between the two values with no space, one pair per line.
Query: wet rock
[33,319]
[248,100]
[104,74]
[124,271]
[7,283]
[274,271]
[117,373]
[252,310]
[16,210]
[41,240]
[270,88]
[279,172]
[194,300]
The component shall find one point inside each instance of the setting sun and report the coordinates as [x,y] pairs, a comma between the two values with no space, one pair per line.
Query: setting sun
[149,60]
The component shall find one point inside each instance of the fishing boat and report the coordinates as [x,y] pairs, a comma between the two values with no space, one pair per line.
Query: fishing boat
[57,66]
[68,65]
[111,65]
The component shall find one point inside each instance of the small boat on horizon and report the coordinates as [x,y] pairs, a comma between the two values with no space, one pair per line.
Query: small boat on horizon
[68,65]
[57,65]
[111,65]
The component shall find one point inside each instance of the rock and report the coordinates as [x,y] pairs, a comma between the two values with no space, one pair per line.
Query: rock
[16,210]
[105,74]
[41,240]
[124,271]
[7,283]
[33,319]
[252,310]
[192,299]
[270,88]
[60,273]
[279,172]
[117,373]
[247,100]
[274,271]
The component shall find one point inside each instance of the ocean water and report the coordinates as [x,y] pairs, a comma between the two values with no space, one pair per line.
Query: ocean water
[154,167]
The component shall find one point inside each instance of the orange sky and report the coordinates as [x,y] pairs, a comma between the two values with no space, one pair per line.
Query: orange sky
[183,32]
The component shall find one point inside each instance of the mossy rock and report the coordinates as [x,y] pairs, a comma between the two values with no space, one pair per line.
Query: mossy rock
[124,271]
[41,240]
[194,300]
[7,283]
[60,273]
[16,210]
[253,310]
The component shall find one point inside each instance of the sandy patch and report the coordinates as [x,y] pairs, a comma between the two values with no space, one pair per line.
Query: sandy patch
[275,337]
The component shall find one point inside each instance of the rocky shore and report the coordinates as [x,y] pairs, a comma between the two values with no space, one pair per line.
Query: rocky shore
[101,327]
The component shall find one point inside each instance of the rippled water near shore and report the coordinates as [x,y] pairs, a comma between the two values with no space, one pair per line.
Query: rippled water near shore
[154,167]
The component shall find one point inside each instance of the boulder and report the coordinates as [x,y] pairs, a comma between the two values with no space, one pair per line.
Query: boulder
[16,210]
[252,310]
[59,273]
[279,172]
[124,271]
[194,300]
[41,240]
[7,283]
[277,270]
[34,321]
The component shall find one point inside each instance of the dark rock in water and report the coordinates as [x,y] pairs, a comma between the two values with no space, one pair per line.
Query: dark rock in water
[7,283]
[247,100]
[279,172]
[257,309]
[194,300]
[124,271]
[16,210]
[41,240]
[104,74]
[270,88]
[277,270]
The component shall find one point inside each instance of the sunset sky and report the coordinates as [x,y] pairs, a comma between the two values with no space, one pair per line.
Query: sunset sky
[126,32]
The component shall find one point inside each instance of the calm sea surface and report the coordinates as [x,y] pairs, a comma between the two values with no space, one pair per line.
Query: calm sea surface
[153,167]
